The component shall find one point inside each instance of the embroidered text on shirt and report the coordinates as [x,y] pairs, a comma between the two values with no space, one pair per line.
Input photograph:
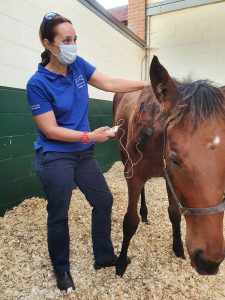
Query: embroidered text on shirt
[36,106]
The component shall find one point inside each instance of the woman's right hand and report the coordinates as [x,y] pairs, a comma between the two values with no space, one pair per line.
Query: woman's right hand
[100,134]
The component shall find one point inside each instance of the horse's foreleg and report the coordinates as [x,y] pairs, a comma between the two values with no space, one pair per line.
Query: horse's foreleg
[175,219]
[143,209]
[130,224]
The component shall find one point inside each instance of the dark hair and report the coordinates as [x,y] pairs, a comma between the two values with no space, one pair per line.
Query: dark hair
[201,100]
[47,31]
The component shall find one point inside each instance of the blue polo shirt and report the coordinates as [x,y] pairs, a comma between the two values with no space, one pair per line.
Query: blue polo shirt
[67,97]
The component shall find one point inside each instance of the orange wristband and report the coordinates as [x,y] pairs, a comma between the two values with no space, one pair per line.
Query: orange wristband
[85,138]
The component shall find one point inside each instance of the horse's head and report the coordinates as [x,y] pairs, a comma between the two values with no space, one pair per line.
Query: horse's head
[195,158]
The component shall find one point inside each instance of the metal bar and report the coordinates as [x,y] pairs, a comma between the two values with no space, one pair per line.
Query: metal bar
[167,6]
[148,32]
[101,12]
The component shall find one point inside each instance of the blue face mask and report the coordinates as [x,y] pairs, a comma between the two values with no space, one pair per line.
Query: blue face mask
[67,55]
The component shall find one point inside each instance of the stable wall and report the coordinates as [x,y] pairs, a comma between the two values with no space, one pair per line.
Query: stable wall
[17,135]
[98,42]
[191,42]
[20,50]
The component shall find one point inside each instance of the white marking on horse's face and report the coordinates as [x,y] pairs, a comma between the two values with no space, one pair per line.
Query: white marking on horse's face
[215,142]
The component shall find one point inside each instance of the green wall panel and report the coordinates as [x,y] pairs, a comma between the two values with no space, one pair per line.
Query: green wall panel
[21,188]
[12,101]
[23,145]
[14,192]
[18,132]
[16,168]
[16,124]
[5,148]
[16,146]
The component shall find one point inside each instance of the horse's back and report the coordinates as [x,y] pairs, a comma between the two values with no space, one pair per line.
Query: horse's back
[124,104]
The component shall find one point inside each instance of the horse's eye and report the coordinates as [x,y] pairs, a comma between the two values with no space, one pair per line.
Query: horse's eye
[175,160]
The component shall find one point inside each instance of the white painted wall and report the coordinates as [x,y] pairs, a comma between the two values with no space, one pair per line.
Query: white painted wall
[98,42]
[191,41]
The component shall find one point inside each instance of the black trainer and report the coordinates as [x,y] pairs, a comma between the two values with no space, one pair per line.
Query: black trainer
[112,263]
[65,281]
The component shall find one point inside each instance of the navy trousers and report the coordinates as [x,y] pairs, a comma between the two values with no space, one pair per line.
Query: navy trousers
[58,172]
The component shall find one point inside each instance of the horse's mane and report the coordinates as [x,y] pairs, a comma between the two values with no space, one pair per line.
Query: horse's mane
[200,101]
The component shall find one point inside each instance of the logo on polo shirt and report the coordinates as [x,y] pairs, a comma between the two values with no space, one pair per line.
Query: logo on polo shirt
[80,82]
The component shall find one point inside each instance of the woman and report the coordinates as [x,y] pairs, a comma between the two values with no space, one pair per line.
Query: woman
[58,97]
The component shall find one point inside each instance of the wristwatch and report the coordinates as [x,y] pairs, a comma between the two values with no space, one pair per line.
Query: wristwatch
[85,138]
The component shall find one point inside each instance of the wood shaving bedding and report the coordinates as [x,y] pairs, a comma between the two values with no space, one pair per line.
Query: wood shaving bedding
[154,273]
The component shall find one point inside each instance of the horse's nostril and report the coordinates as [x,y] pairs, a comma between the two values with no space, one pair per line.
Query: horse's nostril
[198,253]
[202,266]
[196,256]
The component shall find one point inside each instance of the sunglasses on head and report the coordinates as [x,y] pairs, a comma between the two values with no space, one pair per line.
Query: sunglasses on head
[49,16]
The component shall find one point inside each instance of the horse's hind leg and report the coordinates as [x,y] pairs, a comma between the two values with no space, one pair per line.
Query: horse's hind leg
[143,209]
[130,224]
[175,219]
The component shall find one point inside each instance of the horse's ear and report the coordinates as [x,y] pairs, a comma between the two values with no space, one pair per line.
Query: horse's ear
[163,85]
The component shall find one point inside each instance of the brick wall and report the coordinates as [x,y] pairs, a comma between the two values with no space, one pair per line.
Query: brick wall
[136,17]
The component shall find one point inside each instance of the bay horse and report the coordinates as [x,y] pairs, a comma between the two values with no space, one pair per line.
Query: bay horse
[176,130]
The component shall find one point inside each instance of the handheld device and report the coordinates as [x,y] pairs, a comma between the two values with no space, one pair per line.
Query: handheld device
[113,129]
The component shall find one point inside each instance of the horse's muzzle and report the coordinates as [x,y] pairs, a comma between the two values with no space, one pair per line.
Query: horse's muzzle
[202,266]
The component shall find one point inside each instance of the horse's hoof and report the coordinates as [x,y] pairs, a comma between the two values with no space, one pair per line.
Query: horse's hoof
[121,266]
[145,220]
[179,252]
[182,256]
